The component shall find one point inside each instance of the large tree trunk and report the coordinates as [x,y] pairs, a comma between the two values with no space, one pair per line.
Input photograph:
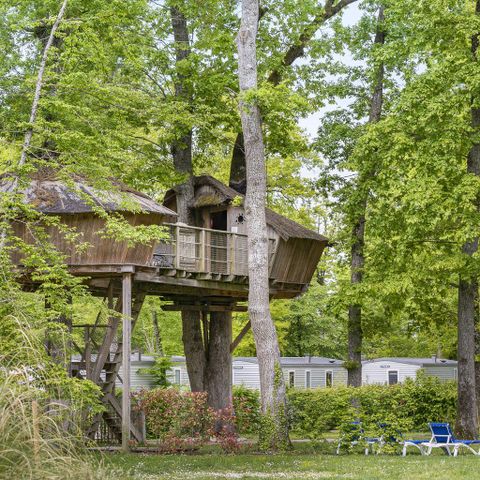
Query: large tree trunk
[218,375]
[272,383]
[204,374]
[467,424]
[357,259]
[182,160]
[467,421]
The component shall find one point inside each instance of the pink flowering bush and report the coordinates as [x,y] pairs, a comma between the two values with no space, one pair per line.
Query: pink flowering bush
[179,420]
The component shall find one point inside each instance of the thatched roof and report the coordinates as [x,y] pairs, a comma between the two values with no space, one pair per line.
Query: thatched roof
[50,195]
[224,194]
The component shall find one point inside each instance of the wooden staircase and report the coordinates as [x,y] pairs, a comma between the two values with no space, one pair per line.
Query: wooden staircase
[104,370]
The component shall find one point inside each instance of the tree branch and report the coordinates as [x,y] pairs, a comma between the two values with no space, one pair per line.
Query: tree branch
[296,51]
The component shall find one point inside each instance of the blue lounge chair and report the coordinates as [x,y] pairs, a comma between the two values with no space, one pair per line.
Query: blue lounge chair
[443,437]
[357,436]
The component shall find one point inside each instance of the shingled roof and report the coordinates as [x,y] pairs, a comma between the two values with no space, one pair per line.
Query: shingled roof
[50,195]
[285,227]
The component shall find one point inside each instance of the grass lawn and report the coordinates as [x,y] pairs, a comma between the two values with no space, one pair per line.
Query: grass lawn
[302,463]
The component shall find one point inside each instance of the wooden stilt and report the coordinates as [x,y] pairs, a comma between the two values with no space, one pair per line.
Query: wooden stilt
[126,350]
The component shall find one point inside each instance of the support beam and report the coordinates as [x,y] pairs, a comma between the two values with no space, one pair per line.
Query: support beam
[240,336]
[126,350]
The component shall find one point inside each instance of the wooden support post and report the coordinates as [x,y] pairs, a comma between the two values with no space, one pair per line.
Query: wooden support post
[242,333]
[126,350]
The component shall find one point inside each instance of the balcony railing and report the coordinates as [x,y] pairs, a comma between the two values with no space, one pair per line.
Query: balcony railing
[205,250]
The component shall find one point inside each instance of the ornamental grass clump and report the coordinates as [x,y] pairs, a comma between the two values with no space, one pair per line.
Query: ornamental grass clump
[39,439]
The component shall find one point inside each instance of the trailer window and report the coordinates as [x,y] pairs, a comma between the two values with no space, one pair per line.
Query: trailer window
[308,383]
[291,378]
[329,378]
[392,377]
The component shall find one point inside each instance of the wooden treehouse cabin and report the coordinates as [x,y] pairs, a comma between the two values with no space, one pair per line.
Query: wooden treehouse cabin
[201,267]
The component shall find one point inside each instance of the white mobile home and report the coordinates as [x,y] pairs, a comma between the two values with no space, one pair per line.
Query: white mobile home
[299,372]
[394,370]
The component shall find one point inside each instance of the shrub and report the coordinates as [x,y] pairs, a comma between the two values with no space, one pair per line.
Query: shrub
[179,420]
[246,405]
[402,407]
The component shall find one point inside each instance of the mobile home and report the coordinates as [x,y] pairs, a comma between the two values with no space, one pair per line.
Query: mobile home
[394,370]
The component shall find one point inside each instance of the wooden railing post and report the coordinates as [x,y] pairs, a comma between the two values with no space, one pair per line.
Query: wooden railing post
[232,254]
[203,246]
[177,246]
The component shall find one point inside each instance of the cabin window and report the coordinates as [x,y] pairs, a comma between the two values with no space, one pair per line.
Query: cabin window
[176,373]
[308,383]
[392,377]
[329,378]
[291,378]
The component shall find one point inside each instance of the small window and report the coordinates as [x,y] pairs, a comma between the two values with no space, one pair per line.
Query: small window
[392,377]
[329,378]
[308,383]
[291,378]
[177,376]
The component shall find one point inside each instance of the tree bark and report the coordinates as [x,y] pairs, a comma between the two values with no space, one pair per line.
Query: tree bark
[218,374]
[203,373]
[194,350]
[158,347]
[272,383]
[181,150]
[467,421]
[238,178]
[357,257]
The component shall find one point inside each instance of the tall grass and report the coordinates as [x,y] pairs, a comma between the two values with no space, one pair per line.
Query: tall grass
[40,436]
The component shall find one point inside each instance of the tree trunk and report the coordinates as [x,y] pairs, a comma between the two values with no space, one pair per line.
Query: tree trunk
[466,425]
[218,374]
[158,348]
[272,383]
[357,259]
[182,159]
[199,368]
[467,422]
[194,350]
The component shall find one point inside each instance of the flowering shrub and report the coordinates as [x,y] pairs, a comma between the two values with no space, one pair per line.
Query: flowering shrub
[179,420]
[226,430]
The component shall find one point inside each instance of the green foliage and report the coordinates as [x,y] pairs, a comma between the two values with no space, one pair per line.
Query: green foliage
[402,407]
[159,370]
[246,405]
[179,420]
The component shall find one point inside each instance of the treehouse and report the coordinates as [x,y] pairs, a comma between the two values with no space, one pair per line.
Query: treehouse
[217,245]
[199,268]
